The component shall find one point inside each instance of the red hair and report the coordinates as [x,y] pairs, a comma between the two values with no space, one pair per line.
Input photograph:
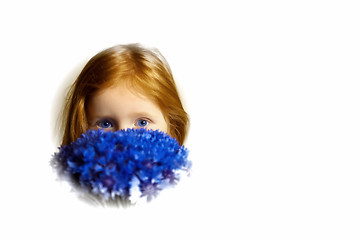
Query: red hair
[141,69]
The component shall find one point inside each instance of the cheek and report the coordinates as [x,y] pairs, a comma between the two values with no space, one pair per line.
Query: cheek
[167,126]
[164,127]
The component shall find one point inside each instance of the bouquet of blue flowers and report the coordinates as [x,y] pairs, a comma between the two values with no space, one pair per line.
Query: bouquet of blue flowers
[110,165]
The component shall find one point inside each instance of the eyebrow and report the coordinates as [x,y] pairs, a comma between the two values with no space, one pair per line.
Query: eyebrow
[136,114]
[96,118]
[141,114]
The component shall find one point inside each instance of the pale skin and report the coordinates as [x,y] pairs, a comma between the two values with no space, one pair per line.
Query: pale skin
[118,108]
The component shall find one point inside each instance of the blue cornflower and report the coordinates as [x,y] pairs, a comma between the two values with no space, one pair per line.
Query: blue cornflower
[110,164]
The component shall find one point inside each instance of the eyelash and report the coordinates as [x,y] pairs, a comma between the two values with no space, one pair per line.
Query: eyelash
[103,121]
[99,123]
[142,119]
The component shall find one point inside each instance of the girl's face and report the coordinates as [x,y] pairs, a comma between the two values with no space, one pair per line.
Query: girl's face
[118,108]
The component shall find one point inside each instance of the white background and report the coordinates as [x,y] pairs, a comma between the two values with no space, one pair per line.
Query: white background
[272,89]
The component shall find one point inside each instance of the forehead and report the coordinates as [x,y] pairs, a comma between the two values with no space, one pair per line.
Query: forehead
[120,99]
[119,91]
[127,84]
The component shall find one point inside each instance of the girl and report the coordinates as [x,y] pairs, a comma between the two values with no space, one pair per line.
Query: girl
[125,86]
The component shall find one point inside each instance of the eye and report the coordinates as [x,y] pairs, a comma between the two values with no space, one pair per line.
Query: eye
[105,124]
[142,123]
